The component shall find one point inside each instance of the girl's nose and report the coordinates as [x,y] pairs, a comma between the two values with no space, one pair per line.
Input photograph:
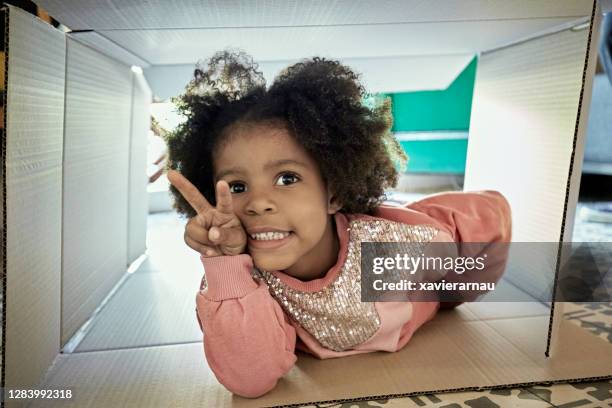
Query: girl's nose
[259,204]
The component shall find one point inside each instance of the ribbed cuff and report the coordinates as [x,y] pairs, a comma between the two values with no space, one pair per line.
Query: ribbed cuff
[228,277]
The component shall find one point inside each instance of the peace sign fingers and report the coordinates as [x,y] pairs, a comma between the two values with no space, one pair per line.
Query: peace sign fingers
[190,192]
[215,230]
[224,198]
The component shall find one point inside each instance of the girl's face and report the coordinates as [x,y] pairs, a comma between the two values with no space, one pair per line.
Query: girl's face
[281,199]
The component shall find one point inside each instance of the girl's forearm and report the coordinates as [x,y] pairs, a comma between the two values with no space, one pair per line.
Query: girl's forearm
[248,342]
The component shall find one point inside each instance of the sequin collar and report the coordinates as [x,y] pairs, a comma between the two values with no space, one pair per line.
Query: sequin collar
[330,308]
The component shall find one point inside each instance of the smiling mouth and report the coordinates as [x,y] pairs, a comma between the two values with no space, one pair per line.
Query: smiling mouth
[269,236]
[269,240]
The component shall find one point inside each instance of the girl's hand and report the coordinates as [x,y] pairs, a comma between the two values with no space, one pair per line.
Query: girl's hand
[214,231]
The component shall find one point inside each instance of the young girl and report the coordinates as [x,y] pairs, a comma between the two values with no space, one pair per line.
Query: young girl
[281,186]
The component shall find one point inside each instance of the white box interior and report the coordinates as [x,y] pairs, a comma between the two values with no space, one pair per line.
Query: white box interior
[34,138]
[88,160]
[95,192]
[138,206]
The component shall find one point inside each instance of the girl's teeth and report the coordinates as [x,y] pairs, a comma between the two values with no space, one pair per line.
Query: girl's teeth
[268,236]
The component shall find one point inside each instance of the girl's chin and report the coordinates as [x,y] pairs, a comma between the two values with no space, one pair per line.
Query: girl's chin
[270,263]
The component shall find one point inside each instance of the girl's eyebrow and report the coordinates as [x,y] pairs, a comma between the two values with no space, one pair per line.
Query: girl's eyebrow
[282,162]
[231,170]
[267,166]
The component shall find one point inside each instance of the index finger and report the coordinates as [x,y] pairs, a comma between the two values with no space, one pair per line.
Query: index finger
[189,192]
[224,198]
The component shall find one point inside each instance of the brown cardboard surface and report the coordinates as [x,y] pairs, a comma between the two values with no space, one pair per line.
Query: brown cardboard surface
[523,304]
[575,344]
[507,310]
[455,355]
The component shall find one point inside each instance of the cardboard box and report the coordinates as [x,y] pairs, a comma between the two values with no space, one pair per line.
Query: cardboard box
[72,100]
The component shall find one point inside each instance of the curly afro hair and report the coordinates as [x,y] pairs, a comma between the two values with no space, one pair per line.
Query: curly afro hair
[320,102]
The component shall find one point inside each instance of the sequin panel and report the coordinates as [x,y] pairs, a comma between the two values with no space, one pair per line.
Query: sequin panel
[335,315]
[203,284]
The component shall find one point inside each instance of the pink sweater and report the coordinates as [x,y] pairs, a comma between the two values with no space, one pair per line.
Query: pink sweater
[253,321]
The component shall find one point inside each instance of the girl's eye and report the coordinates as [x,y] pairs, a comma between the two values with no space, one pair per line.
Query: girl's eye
[237,187]
[286,179]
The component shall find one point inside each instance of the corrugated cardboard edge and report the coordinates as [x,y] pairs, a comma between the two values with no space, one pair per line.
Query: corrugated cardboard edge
[5,15]
[411,394]
[556,309]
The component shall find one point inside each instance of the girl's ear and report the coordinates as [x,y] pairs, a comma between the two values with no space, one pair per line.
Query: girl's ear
[333,205]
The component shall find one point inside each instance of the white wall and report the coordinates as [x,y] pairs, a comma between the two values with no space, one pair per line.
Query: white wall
[522,128]
[71,148]
[69,141]
[33,157]
[138,207]
[523,121]
[96,164]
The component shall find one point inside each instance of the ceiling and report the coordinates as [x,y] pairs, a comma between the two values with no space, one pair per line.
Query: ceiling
[154,33]
[165,14]
[179,46]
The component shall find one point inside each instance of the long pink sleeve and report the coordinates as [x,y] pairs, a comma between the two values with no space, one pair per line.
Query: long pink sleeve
[248,341]
[481,217]
[478,217]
